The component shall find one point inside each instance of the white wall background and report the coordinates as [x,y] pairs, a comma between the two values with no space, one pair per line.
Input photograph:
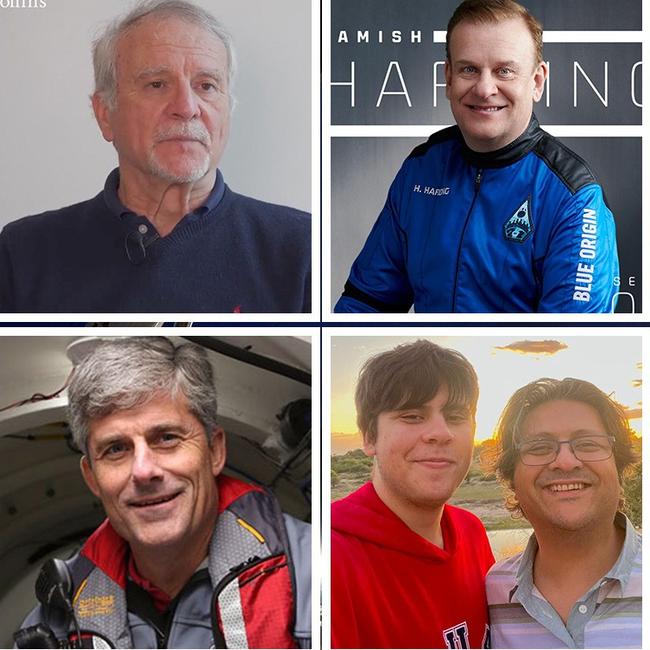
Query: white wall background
[51,151]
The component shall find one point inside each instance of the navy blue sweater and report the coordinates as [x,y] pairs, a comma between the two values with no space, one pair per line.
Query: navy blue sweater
[235,254]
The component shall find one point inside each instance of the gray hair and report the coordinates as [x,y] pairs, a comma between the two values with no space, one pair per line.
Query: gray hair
[123,373]
[105,46]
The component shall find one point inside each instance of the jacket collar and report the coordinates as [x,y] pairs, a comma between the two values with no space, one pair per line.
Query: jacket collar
[509,154]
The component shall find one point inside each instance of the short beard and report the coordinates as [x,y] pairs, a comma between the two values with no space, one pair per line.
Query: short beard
[193,174]
[192,129]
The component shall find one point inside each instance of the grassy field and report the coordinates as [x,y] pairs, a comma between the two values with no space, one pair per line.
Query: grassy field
[482,497]
[485,500]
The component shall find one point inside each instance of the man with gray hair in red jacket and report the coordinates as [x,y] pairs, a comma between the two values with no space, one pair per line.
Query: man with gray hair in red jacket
[187,557]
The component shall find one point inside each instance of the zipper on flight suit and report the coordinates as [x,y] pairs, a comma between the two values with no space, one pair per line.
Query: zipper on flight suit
[477,186]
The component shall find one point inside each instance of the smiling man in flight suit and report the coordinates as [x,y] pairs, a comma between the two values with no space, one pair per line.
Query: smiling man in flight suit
[493,214]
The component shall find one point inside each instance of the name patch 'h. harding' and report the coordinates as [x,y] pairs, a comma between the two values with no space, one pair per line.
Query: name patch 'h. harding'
[431,191]
[519,227]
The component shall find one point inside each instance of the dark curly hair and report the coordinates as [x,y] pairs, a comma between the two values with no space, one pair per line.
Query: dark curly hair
[503,456]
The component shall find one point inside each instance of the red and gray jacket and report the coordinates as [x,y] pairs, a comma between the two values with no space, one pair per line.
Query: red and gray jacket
[253,592]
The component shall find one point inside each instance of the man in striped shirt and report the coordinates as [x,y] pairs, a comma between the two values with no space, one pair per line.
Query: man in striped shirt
[562,449]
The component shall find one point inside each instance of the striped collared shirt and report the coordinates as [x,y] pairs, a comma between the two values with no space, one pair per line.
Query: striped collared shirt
[607,616]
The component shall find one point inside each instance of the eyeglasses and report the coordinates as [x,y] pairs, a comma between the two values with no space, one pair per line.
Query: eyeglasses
[589,449]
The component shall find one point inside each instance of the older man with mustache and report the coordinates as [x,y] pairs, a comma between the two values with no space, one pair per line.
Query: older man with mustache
[166,234]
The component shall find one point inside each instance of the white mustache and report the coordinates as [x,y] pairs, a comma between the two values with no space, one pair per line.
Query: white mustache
[193,130]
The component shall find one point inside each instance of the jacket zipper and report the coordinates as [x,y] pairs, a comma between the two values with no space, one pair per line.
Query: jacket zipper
[219,641]
[477,185]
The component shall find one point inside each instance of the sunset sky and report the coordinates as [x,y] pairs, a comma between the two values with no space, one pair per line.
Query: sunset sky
[503,364]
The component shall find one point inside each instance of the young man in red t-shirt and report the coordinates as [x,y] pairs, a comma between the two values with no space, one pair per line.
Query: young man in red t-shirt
[408,570]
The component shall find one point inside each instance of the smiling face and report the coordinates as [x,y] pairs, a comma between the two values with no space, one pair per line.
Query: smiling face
[567,493]
[172,117]
[492,81]
[422,454]
[154,472]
